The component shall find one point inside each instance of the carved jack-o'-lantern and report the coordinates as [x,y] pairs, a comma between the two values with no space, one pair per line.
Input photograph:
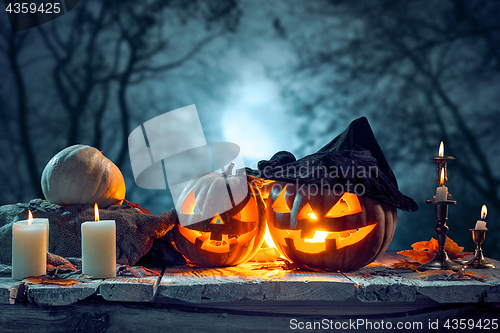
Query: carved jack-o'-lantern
[221,220]
[336,231]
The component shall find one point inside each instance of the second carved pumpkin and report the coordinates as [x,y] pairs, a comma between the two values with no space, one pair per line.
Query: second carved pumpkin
[325,229]
[221,219]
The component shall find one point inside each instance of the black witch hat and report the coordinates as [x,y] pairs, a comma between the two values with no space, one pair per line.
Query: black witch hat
[353,161]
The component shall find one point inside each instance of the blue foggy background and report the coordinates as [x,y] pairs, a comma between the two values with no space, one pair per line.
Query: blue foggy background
[269,76]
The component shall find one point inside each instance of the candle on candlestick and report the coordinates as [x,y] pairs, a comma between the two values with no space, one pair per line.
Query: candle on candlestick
[442,191]
[441,166]
[29,248]
[99,247]
[441,202]
[481,224]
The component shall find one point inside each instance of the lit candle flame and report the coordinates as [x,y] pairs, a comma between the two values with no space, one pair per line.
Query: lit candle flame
[30,217]
[441,149]
[441,178]
[484,211]
[96,212]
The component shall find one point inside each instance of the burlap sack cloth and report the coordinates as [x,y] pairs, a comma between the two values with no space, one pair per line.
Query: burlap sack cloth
[138,235]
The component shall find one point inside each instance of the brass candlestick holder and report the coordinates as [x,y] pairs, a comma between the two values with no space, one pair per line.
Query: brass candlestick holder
[442,162]
[441,259]
[478,261]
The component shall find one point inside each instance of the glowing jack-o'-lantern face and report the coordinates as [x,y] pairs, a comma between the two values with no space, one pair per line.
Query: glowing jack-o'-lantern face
[336,231]
[208,237]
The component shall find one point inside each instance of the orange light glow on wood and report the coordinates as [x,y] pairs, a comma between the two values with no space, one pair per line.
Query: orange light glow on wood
[441,149]
[96,212]
[484,212]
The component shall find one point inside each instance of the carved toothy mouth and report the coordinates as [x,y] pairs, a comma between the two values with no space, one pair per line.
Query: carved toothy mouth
[205,241]
[320,238]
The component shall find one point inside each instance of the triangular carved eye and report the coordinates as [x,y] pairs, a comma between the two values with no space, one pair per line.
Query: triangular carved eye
[280,205]
[306,213]
[249,213]
[347,205]
[217,220]
[189,205]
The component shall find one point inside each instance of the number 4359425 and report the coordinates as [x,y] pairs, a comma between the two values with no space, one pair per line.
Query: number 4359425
[31,7]
[484,324]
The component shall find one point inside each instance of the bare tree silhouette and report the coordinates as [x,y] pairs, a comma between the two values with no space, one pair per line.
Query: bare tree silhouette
[422,71]
[409,65]
[12,46]
[90,64]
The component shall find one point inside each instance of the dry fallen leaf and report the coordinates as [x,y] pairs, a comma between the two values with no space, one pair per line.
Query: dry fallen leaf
[450,275]
[438,274]
[424,251]
[43,279]
[470,275]
[406,264]
[136,271]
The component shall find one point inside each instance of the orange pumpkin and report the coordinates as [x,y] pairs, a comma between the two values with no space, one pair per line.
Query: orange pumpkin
[335,231]
[217,229]
[82,175]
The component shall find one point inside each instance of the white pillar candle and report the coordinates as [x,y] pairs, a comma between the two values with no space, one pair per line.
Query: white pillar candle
[46,222]
[442,193]
[480,225]
[99,248]
[29,249]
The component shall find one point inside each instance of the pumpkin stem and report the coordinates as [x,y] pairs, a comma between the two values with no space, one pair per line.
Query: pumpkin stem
[228,171]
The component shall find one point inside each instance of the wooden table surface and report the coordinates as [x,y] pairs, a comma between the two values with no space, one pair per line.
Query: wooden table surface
[251,296]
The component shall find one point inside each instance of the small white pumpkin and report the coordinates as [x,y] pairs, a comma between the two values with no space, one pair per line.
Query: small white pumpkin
[81,174]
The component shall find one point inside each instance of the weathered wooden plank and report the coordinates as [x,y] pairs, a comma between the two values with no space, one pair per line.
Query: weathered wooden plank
[458,291]
[385,289]
[493,280]
[95,315]
[49,294]
[349,307]
[452,291]
[11,291]
[378,282]
[130,289]
[270,282]
[249,282]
